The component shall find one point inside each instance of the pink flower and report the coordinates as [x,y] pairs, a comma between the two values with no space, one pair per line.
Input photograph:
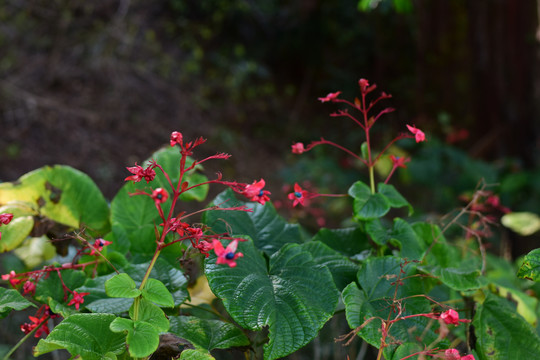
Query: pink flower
[139,173]
[330,97]
[451,354]
[5,218]
[468,357]
[78,299]
[12,277]
[29,287]
[159,195]
[419,135]
[99,244]
[255,192]
[298,196]
[176,138]
[450,317]
[226,255]
[298,148]
[399,161]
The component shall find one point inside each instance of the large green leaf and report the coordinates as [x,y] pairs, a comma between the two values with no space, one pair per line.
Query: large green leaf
[207,334]
[195,354]
[348,241]
[366,205]
[342,269]
[86,335]
[135,216]
[292,295]
[503,334]
[377,297]
[530,266]
[14,233]
[11,300]
[62,194]
[268,230]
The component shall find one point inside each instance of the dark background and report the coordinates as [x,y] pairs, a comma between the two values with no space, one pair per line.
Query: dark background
[100,85]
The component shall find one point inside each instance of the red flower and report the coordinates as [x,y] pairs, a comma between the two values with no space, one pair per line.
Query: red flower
[29,287]
[330,97]
[226,255]
[255,192]
[298,196]
[451,354]
[139,173]
[78,299]
[468,357]
[418,134]
[399,161]
[451,316]
[176,138]
[159,195]
[12,277]
[44,329]
[5,218]
[298,148]
[204,247]
[99,244]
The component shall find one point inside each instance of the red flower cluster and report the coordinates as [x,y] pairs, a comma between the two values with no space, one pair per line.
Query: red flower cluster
[43,314]
[139,173]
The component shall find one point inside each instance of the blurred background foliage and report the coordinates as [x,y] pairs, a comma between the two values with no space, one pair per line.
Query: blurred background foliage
[100,85]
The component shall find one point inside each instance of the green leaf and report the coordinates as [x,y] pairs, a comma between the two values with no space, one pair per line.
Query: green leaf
[155,291]
[412,247]
[348,241]
[369,303]
[292,295]
[503,334]
[395,199]
[207,334]
[35,250]
[459,278]
[87,335]
[342,269]
[524,223]
[142,338]
[62,194]
[11,300]
[195,354]
[268,230]
[366,205]
[122,286]
[151,314]
[14,233]
[530,266]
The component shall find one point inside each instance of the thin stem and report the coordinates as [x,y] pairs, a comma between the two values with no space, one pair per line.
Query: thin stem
[372,179]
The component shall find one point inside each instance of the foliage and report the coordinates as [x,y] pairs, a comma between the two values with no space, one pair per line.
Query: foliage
[119,285]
